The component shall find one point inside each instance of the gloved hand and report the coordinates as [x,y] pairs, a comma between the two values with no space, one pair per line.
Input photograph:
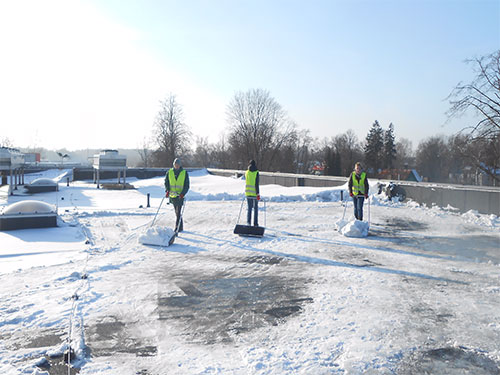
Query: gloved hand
[351,194]
[258,197]
[167,193]
[181,196]
[366,196]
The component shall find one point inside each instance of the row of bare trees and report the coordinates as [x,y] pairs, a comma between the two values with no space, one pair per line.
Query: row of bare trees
[259,128]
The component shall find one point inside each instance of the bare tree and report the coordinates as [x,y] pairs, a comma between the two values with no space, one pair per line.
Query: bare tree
[433,158]
[5,142]
[259,127]
[172,134]
[406,156]
[350,150]
[145,153]
[221,154]
[202,153]
[471,157]
[482,97]
[303,151]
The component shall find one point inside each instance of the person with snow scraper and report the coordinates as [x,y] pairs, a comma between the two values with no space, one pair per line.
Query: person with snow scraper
[358,189]
[252,193]
[176,187]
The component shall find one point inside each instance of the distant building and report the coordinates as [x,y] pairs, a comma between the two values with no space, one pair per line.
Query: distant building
[11,165]
[32,157]
[400,175]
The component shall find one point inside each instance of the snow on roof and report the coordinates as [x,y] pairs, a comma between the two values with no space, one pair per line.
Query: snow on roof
[29,207]
[43,182]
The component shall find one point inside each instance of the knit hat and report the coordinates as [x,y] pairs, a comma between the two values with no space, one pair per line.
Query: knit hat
[252,163]
[177,161]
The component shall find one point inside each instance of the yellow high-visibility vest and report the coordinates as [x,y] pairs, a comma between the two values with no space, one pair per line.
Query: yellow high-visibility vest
[176,184]
[358,187]
[251,180]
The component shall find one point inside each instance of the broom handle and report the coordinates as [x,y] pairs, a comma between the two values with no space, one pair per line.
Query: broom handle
[158,210]
[345,207]
[368,210]
[182,212]
[265,214]
[241,207]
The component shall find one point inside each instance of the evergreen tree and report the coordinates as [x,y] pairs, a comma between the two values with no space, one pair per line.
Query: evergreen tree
[374,147]
[389,147]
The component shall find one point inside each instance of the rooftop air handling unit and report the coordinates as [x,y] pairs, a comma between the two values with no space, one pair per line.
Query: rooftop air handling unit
[41,185]
[11,164]
[28,214]
[110,161]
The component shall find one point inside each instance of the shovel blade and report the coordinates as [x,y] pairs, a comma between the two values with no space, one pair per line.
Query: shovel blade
[248,230]
[172,239]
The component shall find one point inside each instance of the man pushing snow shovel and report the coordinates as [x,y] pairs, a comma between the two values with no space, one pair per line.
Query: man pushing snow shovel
[176,187]
[358,190]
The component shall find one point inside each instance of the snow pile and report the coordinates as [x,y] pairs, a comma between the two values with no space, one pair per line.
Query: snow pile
[355,228]
[157,236]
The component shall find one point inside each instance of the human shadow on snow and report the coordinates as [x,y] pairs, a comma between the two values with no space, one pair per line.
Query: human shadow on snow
[328,262]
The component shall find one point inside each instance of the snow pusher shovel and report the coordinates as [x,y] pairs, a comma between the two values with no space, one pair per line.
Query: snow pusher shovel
[339,224]
[249,230]
[157,236]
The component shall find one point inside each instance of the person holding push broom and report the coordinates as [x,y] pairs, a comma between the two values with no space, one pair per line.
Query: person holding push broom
[358,189]
[252,193]
[176,188]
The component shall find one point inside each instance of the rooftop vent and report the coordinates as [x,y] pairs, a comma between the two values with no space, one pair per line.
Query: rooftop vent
[110,161]
[11,163]
[42,185]
[10,158]
[28,214]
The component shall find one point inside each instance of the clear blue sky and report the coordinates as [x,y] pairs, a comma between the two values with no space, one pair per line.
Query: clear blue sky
[81,74]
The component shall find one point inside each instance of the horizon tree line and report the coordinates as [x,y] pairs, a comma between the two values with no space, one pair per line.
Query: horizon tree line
[259,128]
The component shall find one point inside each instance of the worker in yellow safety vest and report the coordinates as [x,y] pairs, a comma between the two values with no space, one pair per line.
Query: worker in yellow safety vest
[358,189]
[252,193]
[176,187]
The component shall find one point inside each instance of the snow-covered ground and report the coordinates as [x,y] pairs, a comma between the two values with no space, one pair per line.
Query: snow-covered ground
[419,295]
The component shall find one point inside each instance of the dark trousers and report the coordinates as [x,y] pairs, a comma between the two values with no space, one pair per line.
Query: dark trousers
[358,201]
[178,202]
[253,205]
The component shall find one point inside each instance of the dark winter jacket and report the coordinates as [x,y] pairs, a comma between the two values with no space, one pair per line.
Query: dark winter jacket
[358,177]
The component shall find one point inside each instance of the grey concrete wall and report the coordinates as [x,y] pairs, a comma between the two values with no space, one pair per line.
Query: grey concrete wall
[286,179]
[485,200]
